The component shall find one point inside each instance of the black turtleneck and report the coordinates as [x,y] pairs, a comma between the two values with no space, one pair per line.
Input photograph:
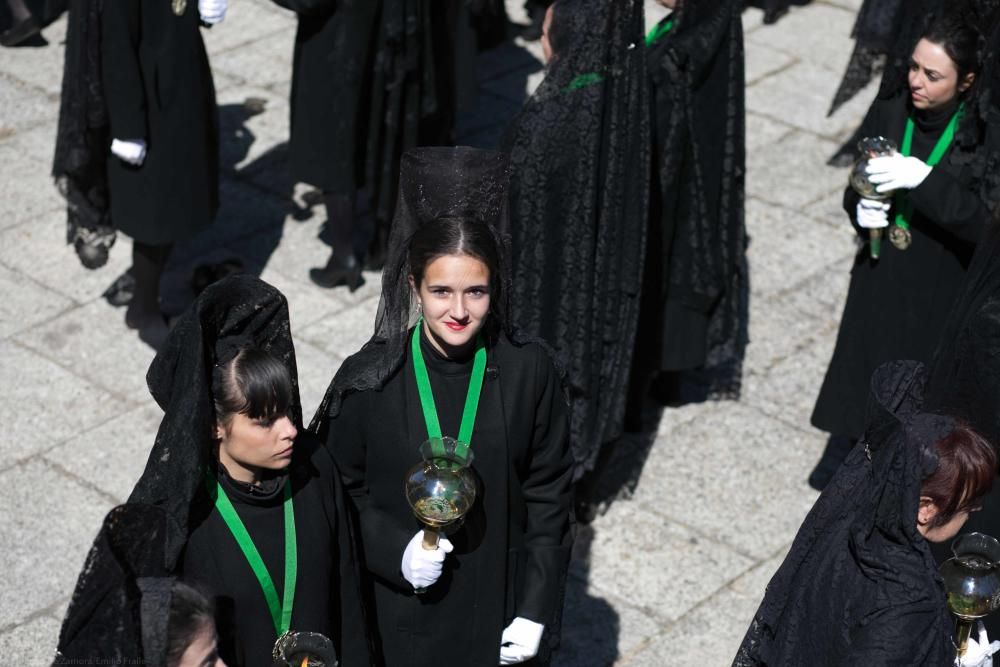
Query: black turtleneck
[928,125]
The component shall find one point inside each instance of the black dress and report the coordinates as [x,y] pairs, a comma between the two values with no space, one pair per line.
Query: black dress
[896,307]
[326,596]
[512,550]
[158,87]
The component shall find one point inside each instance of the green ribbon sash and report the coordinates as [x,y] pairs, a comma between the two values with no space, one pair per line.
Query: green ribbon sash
[904,207]
[427,395]
[658,31]
[281,612]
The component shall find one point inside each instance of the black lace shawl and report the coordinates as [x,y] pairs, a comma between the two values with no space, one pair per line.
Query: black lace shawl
[83,135]
[859,585]
[579,198]
[433,183]
[235,312]
[704,59]
[120,610]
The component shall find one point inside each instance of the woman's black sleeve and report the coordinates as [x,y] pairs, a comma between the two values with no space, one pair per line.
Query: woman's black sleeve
[382,540]
[120,70]
[949,203]
[548,496]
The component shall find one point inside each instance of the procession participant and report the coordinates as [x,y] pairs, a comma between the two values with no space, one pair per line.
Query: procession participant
[896,305]
[126,609]
[258,519]
[859,585]
[137,148]
[693,317]
[370,80]
[493,584]
[578,207]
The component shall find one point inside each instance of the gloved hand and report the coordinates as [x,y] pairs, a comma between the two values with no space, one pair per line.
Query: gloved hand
[520,641]
[872,214]
[979,654]
[422,567]
[894,172]
[212,11]
[132,151]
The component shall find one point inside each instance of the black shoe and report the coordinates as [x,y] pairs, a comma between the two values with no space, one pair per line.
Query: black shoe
[23,31]
[121,291]
[338,271]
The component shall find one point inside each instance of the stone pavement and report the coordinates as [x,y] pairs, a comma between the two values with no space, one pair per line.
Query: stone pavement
[670,576]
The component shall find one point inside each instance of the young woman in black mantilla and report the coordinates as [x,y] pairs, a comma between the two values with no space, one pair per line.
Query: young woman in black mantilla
[945,180]
[258,516]
[493,584]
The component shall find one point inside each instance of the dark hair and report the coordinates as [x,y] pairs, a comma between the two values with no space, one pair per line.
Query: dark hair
[456,236]
[966,467]
[255,384]
[190,613]
[959,39]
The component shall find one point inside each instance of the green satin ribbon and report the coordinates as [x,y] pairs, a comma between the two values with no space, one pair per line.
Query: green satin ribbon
[427,395]
[904,207]
[658,31]
[281,612]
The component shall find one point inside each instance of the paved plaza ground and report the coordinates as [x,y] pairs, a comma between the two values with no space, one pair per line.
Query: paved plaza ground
[668,576]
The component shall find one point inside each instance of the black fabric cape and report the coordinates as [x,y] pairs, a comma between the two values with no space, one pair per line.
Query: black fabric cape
[896,307]
[859,585]
[512,550]
[232,313]
[372,79]
[694,304]
[327,598]
[774,9]
[578,206]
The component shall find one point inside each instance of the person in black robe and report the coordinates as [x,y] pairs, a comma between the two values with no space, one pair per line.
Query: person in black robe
[226,380]
[578,207]
[371,80]
[127,609]
[859,585]
[695,288]
[137,148]
[896,306]
[494,583]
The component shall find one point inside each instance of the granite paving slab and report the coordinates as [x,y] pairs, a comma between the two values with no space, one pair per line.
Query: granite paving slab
[792,171]
[33,495]
[25,302]
[34,640]
[342,333]
[831,52]
[93,342]
[27,192]
[31,64]
[23,105]
[44,403]
[689,484]
[679,568]
[112,456]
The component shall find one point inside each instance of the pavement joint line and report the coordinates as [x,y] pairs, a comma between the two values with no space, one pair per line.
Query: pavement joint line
[43,453]
[831,138]
[784,68]
[250,42]
[41,353]
[700,534]
[73,477]
[50,610]
[18,81]
[751,403]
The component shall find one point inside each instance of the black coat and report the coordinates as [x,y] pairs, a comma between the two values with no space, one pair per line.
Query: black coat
[158,87]
[330,84]
[512,550]
[327,594]
[896,307]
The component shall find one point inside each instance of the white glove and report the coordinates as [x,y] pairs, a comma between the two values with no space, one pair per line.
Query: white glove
[422,567]
[979,654]
[212,11]
[872,213]
[520,641]
[132,151]
[894,172]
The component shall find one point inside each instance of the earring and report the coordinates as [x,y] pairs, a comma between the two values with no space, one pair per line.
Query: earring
[420,307]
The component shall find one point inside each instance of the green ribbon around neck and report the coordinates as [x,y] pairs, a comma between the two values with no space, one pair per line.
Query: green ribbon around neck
[904,207]
[658,31]
[427,394]
[281,612]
